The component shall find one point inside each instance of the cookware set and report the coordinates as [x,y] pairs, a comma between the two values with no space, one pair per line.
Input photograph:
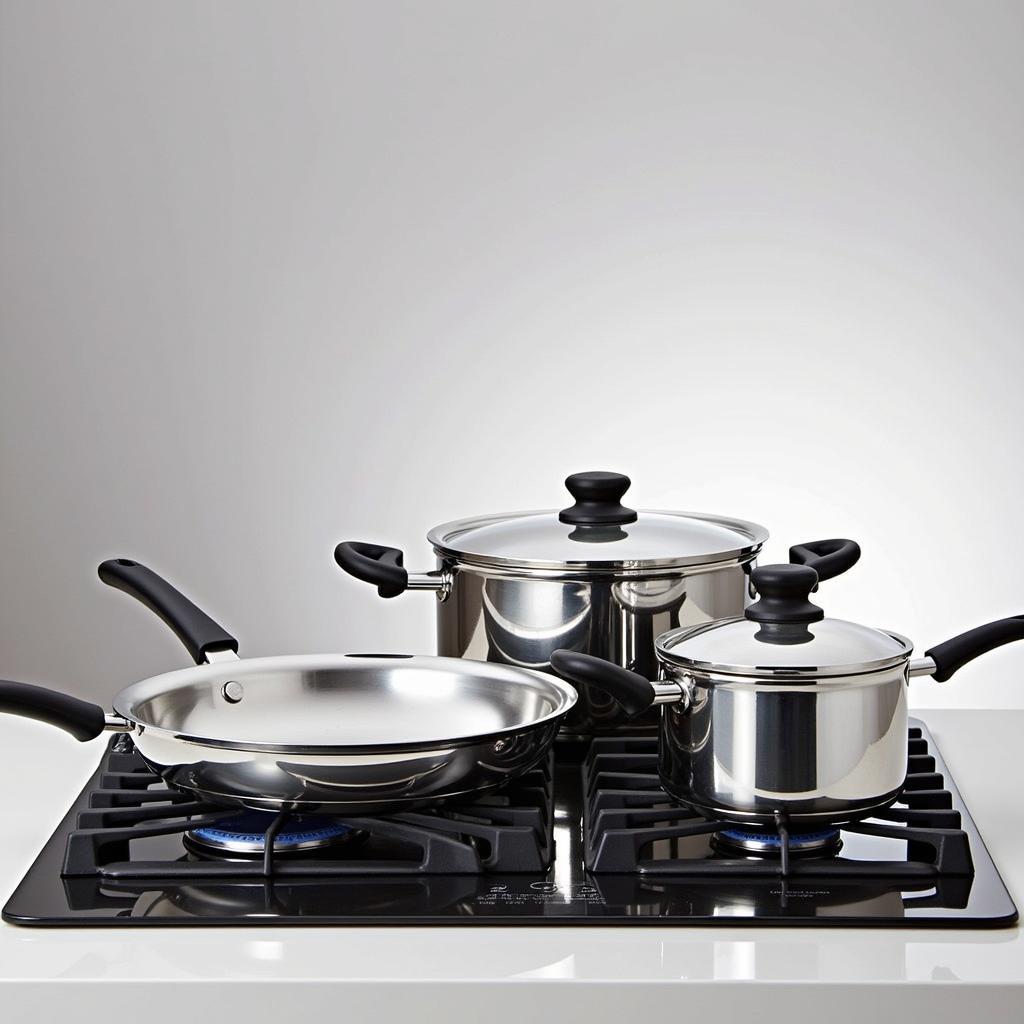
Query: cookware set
[766,710]
[596,577]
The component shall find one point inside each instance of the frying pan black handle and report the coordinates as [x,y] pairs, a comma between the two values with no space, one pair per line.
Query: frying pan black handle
[373,563]
[83,720]
[827,558]
[194,628]
[631,691]
[954,654]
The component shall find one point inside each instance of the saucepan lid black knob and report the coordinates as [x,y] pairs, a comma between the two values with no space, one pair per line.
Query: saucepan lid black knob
[598,500]
[784,595]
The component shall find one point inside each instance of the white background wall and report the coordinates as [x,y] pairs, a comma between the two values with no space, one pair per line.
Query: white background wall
[276,275]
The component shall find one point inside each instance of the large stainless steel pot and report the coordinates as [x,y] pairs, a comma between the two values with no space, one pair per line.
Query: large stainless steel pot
[595,577]
[783,714]
[346,735]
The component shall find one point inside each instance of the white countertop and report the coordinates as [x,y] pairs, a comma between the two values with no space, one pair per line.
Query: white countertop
[501,974]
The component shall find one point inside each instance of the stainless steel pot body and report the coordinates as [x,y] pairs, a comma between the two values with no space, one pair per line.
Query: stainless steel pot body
[514,619]
[741,750]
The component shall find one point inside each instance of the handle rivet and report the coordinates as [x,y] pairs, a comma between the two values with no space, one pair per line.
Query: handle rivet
[232,691]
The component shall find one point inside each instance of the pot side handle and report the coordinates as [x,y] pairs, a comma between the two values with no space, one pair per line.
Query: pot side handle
[631,691]
[83,720]
[954,654]
[828,558]
[193,627]
[382,567]
[375,564]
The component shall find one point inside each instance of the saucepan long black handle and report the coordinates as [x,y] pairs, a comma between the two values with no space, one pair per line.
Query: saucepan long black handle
[631,691]
[193,627]
[827,558]
[954,654]
[373,563]
[83,720]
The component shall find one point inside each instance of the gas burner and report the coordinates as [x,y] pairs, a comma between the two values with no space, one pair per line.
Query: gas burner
[825,843]
[244,834]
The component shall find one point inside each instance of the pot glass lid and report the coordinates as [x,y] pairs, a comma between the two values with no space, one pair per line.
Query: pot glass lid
[783,635]
[598,531]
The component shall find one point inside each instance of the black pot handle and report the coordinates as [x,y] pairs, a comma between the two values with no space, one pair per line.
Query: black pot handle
[193,627]
[632,692]
[954,654]
[374,564]
[827,558]
[83,720]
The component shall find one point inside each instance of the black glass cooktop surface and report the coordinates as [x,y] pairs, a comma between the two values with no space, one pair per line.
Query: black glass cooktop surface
[588,838]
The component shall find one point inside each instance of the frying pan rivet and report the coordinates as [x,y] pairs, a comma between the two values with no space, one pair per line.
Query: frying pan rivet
[232,691]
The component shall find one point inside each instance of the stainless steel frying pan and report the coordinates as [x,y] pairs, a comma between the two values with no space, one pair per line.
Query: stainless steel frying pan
[341,734]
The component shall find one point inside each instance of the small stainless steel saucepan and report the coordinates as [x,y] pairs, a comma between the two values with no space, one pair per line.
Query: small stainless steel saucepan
[342,734]
[783,712]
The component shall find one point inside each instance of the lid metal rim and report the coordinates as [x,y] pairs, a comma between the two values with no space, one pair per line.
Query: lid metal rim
[769,673]
[436,537]
[807,674]
[587,570]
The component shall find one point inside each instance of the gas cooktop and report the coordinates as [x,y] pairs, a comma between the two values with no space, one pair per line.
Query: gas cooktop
[588,838]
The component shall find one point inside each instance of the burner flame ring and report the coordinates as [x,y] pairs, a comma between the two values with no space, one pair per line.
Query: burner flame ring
[823,843]
[245,833]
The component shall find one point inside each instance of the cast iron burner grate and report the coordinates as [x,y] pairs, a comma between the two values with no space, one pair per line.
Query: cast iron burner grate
[589,839]
[627,815]
[508,831]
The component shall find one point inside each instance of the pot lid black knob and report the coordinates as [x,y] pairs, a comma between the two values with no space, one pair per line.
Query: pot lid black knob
[783,594]
[598,500]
